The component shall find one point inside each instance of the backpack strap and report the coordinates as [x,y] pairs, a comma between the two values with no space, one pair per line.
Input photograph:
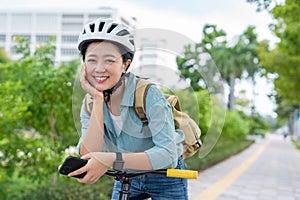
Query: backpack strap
[142,86]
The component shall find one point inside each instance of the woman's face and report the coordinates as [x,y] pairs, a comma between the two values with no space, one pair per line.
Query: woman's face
[104,65]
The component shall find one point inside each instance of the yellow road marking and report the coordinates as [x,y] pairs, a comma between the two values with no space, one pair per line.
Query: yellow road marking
[218,187]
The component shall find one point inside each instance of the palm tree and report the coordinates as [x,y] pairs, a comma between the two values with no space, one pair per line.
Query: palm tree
[231,60]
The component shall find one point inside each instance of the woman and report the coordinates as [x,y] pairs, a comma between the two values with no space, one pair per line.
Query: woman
[107,49]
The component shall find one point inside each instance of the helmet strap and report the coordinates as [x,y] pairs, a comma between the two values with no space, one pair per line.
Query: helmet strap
[107,93]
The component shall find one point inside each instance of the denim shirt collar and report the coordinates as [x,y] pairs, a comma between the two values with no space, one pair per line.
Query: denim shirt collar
[128,98]
[127,101]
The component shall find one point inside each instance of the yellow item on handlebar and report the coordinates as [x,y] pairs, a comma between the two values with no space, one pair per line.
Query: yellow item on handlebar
[179,173]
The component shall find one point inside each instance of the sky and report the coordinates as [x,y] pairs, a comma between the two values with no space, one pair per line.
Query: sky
[184,17]
[233,16]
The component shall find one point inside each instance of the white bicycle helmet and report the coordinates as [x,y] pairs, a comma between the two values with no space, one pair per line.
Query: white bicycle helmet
[107,29]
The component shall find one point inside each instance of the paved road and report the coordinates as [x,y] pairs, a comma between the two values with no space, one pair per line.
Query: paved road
[268,170]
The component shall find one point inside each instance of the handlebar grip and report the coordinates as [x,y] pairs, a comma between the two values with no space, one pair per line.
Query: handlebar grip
[179,173]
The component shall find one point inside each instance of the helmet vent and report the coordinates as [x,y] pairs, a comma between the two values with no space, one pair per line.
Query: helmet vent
[132,42]
[122,33]
[112,28]
[84,32]
[101,25]
[92,27]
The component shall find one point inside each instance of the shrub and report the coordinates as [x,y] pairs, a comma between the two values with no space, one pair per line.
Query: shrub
[64,188]
[223,149]
[236,126]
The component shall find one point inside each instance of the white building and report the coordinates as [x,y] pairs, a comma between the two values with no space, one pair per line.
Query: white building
[155,57]
[156,63]
[39,24]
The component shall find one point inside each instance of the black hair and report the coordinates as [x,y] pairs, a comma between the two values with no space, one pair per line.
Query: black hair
[122,50]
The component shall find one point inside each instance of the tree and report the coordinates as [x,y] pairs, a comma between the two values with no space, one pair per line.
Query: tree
[47,89]
[196,60]
[231,60]
[262,4]
[284,60]
[249,43]
[36,111]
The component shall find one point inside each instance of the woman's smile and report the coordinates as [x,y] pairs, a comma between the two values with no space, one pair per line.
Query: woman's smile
[101,79]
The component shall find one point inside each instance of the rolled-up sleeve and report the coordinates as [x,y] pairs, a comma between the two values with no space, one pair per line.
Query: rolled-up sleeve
[167,141]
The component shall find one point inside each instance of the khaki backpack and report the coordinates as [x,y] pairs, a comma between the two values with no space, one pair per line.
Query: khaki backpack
[182,121]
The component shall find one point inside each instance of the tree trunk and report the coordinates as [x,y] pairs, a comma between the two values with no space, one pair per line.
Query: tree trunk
[231,100]
[253,96]
[52,121]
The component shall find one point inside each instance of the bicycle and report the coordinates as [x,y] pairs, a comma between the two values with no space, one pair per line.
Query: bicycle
[72,163]
[126,176]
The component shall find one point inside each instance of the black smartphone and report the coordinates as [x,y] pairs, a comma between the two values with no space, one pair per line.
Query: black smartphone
[71,164]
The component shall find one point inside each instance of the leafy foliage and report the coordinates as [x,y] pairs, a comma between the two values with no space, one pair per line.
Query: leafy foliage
[224,149]
[41,90]
[231,59]
[261,4]
[198,106]
[35,98]
[27,154]
[196,59]
[3,57]
[237,130]
[284,60]
[64,188]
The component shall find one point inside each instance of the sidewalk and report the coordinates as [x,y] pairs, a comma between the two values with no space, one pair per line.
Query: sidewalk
[268,170]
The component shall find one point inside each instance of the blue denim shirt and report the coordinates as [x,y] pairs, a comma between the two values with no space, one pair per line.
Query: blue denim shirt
[159,139]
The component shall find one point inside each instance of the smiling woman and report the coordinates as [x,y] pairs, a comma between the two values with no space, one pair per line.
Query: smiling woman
[112,134]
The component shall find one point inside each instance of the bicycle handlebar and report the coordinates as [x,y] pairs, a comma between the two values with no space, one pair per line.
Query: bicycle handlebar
[180,173]
[176,173]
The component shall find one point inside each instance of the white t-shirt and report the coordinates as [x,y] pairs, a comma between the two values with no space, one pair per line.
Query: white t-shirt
[117,121]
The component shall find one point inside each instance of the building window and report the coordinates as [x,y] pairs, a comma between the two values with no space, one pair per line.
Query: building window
[71,17]
[2,38]
[13,50]
[69,52]
[148,56]
[21,22]
[96,16]
[14,37]
[72,26]
[42,38]
[46,22]
[69,39]
[3,21]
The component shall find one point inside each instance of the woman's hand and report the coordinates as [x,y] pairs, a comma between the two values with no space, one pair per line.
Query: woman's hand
[85,84]
[95,168]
